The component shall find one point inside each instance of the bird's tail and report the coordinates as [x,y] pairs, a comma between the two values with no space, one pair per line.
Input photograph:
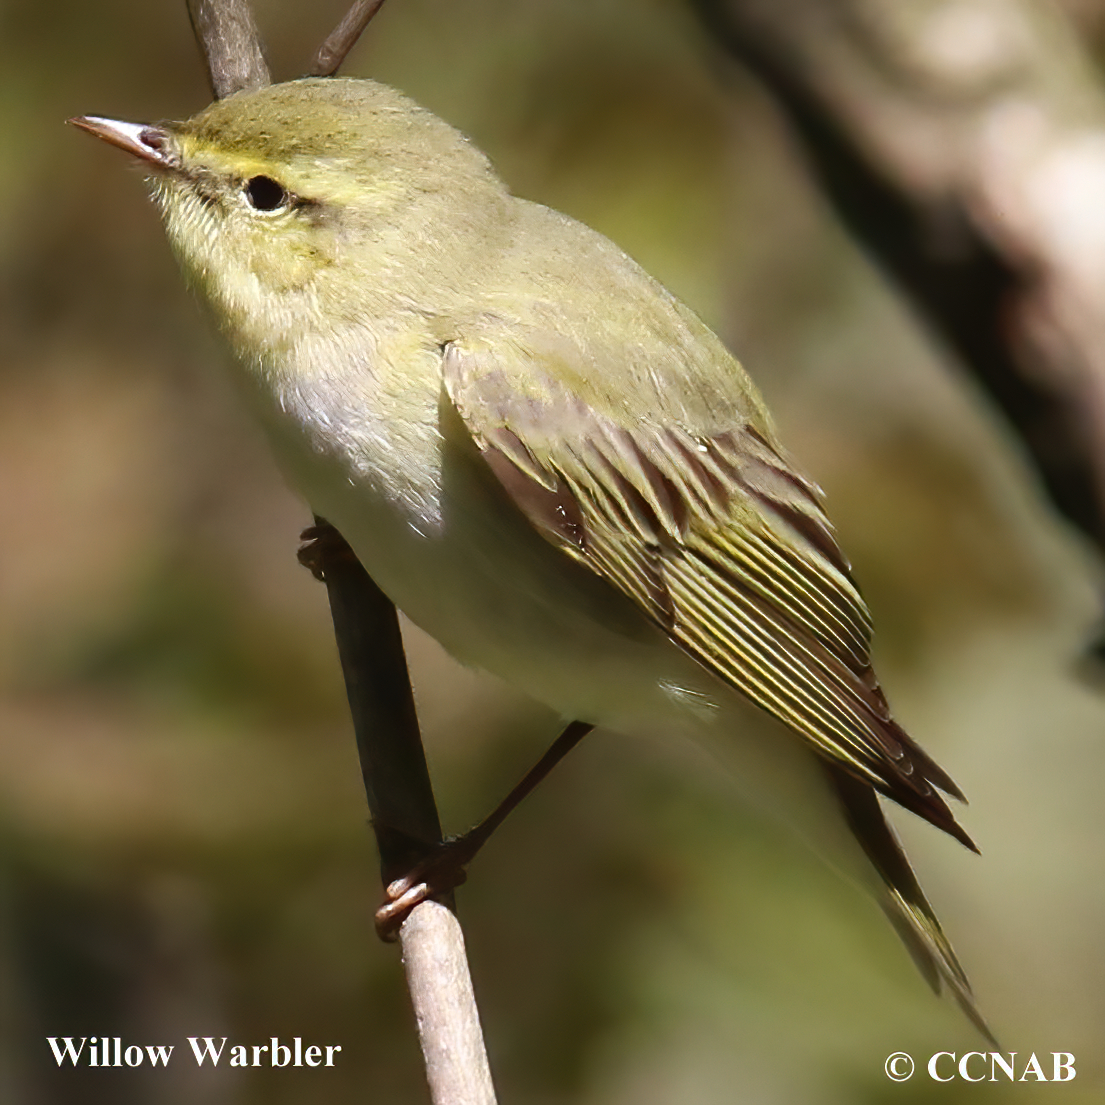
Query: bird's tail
[905,902]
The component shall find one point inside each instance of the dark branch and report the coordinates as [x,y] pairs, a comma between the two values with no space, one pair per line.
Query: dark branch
[404,816]
[231,46]
[393,764]
[344,37]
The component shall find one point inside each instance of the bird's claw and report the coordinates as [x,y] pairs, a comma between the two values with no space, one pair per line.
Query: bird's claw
[322,545]
[441,872]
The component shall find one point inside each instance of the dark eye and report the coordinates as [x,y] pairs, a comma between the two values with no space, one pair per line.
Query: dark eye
[265,194]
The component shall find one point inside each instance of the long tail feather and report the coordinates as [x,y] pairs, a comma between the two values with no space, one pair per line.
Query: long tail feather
[905,902]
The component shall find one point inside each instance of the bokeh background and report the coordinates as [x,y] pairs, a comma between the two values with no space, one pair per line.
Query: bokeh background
[183,840]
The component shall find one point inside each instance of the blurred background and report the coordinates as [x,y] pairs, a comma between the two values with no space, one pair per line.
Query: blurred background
[183,838]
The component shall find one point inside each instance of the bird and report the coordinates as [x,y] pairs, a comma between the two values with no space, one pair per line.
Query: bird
[545,460]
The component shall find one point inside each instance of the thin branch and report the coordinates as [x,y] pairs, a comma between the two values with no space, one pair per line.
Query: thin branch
[344,37]
[404,816]
[445,1007]
[370,646]
[231,46]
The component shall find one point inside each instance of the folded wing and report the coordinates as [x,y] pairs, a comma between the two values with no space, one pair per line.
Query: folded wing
[719,540]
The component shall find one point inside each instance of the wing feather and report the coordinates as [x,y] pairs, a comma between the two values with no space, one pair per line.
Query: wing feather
[721,542]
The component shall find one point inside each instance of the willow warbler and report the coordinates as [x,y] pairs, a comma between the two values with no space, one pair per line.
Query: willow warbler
[545,460]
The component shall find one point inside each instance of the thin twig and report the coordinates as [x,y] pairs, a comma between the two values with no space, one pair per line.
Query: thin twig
[231,45]
[344,37]
[445,1007]
[404,817]
[370,647]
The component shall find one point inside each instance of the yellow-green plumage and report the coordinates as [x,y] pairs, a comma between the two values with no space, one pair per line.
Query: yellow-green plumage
[545,459]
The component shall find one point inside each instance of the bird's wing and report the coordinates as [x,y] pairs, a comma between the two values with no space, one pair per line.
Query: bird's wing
[718,539]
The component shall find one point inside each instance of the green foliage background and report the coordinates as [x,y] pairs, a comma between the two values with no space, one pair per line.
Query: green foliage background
[183,848]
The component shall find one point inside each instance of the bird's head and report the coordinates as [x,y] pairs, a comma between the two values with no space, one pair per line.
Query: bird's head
[298,202]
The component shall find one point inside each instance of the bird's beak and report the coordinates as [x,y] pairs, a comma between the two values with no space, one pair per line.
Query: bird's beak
[152,145]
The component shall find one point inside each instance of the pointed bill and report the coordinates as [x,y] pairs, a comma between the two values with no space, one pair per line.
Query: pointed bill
[149,143]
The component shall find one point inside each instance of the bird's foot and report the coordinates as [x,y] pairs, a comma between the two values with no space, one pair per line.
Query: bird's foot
[322,546]
[442,868]
[435,876]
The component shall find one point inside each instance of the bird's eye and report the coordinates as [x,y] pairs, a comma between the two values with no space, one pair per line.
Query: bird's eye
[265,194]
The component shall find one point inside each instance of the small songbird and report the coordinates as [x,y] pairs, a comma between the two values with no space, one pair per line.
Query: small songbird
[542,457]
